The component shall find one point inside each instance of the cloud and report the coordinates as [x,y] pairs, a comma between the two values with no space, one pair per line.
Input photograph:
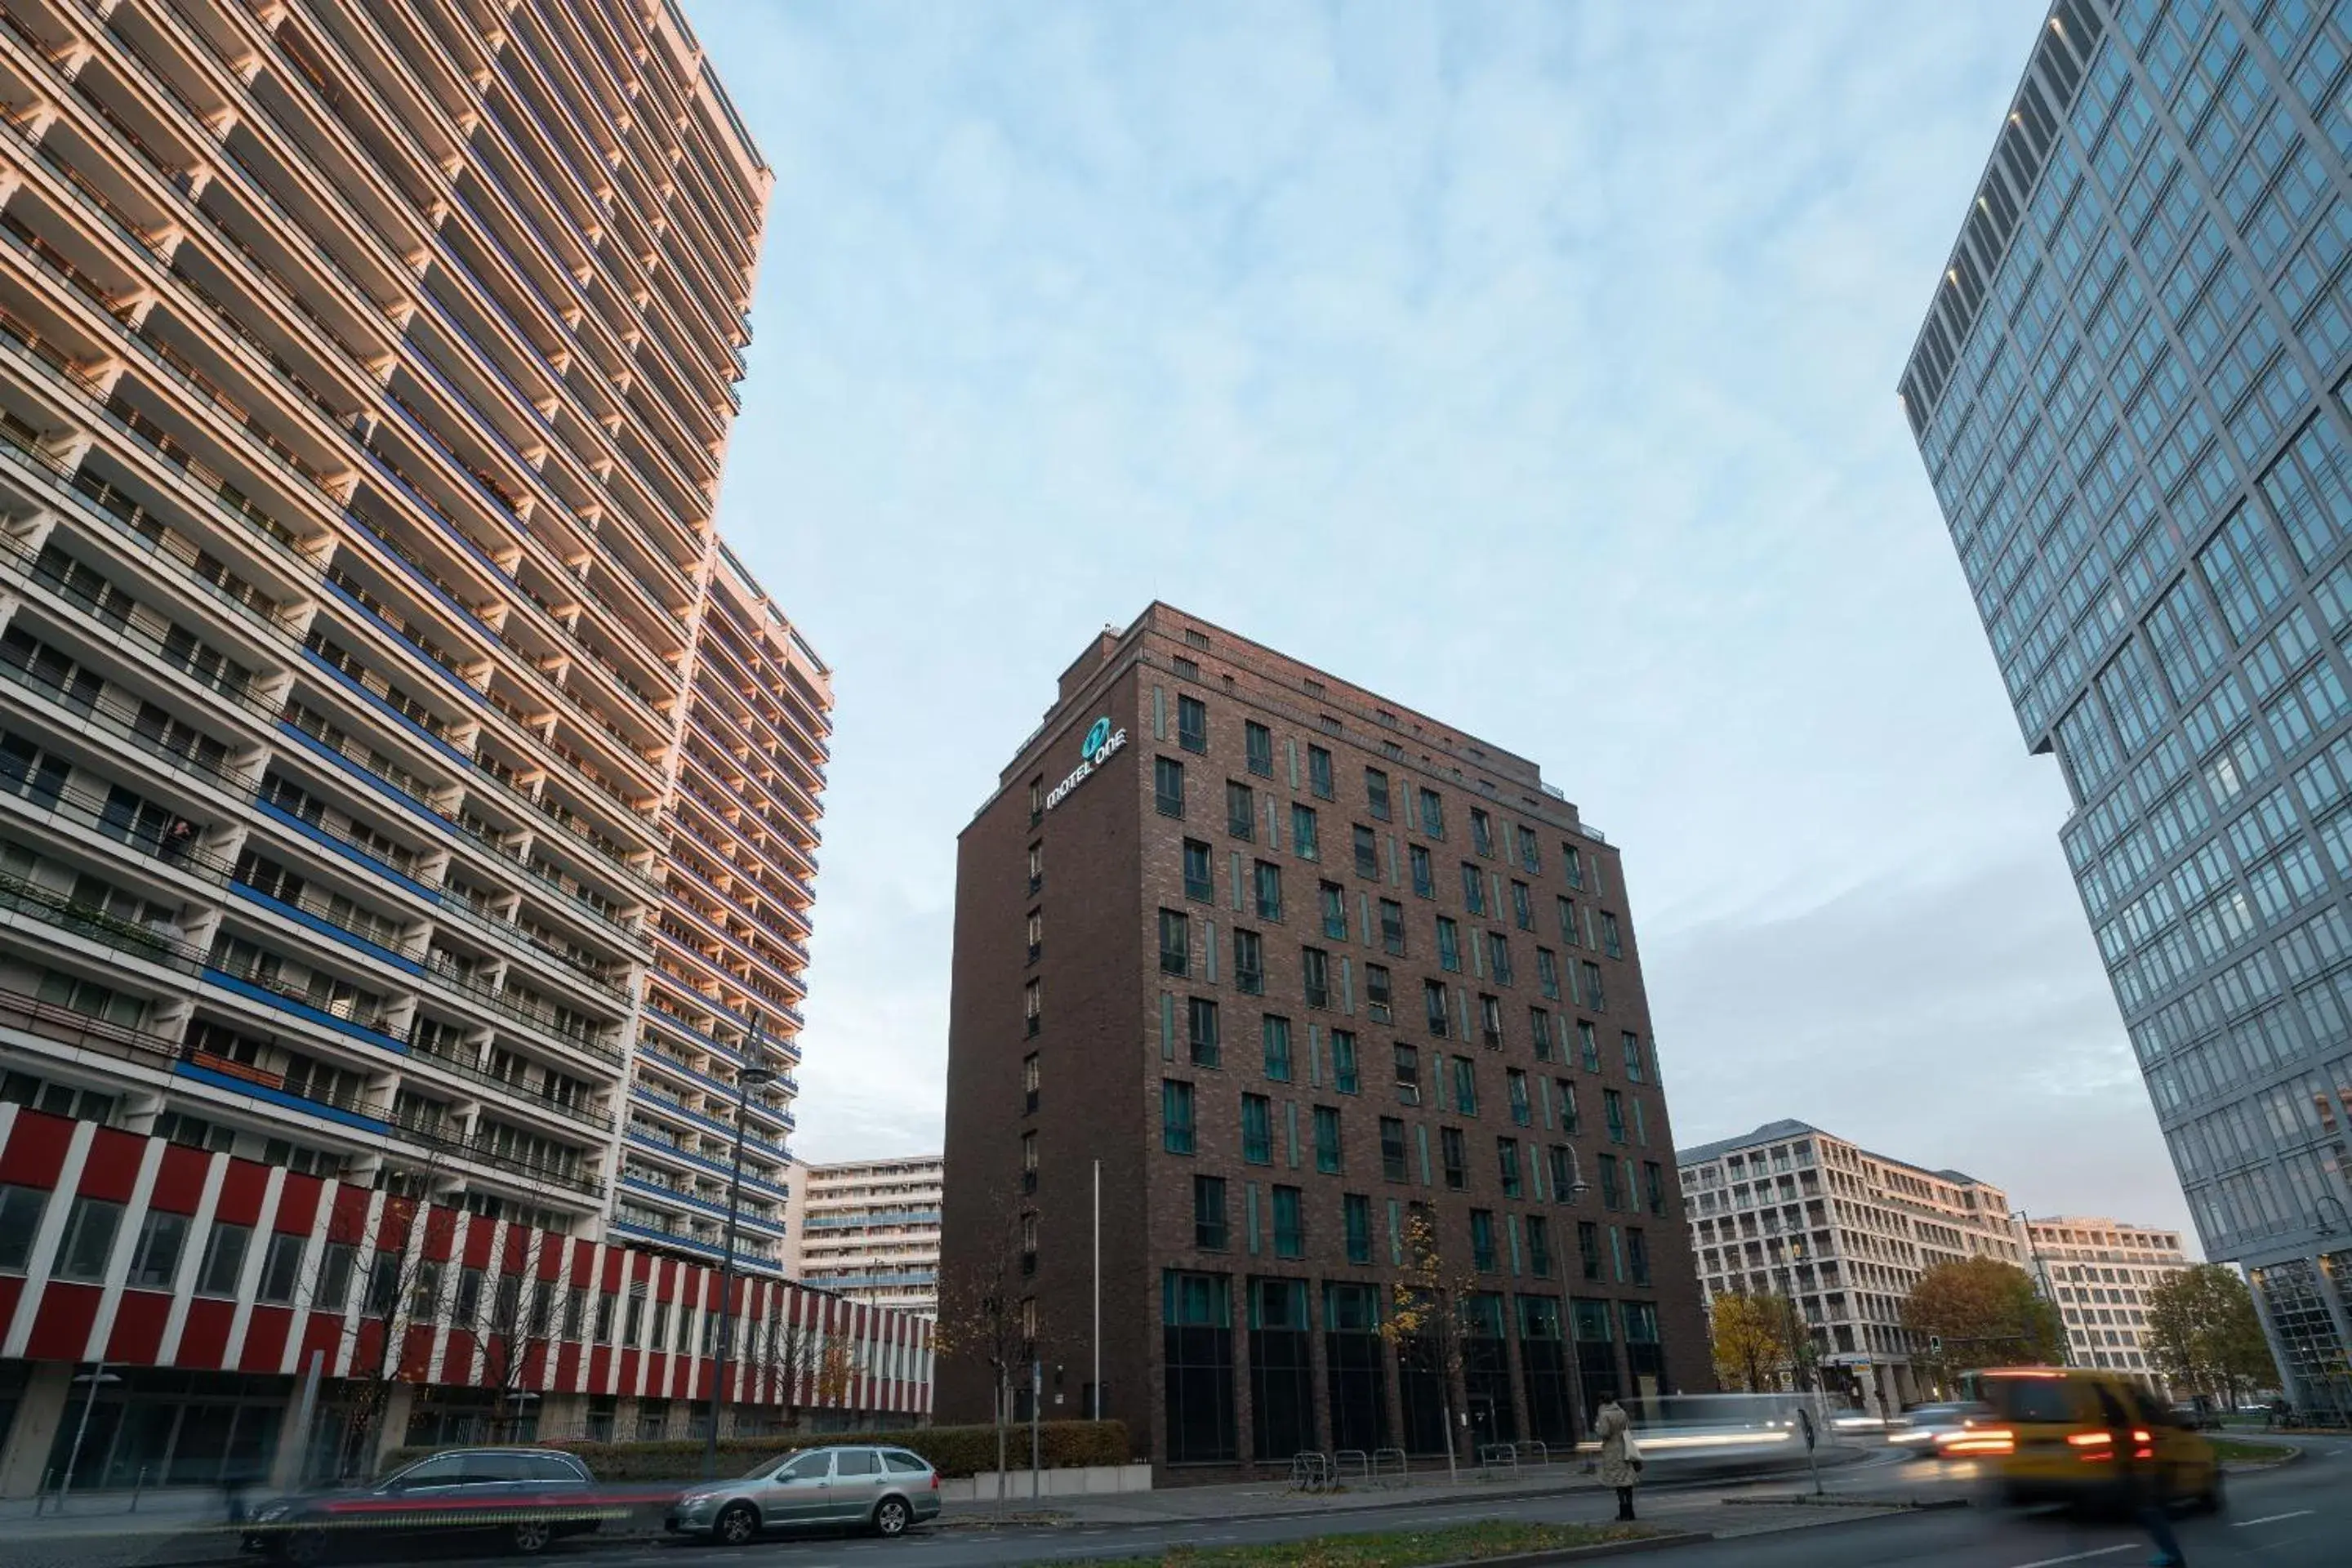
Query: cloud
[1532,364]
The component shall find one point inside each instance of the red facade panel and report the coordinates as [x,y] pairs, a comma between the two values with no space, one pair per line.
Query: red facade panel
[61,1323]
[180,1180]
[265,1339]
[203,1340]
[139,1320]
[244,1185]
[112,1168]
[36,1150]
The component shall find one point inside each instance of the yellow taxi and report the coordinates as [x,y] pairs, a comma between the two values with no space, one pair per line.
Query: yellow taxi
[2085,1436]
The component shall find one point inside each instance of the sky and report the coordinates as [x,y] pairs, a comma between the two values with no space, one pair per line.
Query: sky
[1533,364]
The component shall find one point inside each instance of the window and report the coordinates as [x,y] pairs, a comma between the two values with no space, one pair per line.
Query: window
[1540,1031]
[1588,1040]
[1378,998]
[1393,927]
[1425,879]
[1036,801]
[1506,1166]
[1482,831]
[335,1281]
[282,1268]
[1632,1045]
[1175,943]
[1490,1022]
[1592,997]
[1175,1116]
[1191,724]
[156,1258]
[1376,794]
[1029,1082]
[1032,1004]
[1452,1152]
[1613,1197]
[1613,1114]
[1367,857]
[1530,854]
[1209,1212]
[1356,1217]
[468,1308]
[1274,1033]
[1335,910]
[1319,772]
[20,1221]
[1304,842]
[1036,867]
[1522,1110]
[1249,963]
[1588,1248]
[1028,1163]
[1343,1062]
[1539,1246]
[1637,1255]
[1498,958]
[223,1259]
[1315,975]
[1432,997]
[1572,860]
[1257,1130]
[1568,929]
[1257,744]
[1547,973]
[1654,1187]
[1290,1222]
[1449,946]
[1268,882]
[1392,1148]
[1186,669]
[1482,1240]
[1523,907]
[1201,1021]
[1474,889]
[1611,944]
[1241,810]
[1168,786]
[1037,934]
[1327,1139]
[1465,1086]
[1432,813]
[1408,1074]
[88,1240]
[1200,879]
[1567,1180]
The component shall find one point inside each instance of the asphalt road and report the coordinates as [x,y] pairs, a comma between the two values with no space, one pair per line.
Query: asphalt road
[2298,1516]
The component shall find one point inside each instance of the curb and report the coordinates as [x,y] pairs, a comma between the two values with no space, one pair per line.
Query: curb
[2289,1453]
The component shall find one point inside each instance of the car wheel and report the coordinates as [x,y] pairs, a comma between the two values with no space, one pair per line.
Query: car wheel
[531,1535]
[737,1523]
[891,1517]
[302,1548]
[2216,1497]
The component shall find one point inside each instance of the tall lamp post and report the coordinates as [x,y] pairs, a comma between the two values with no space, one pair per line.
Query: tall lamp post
[754,1070]
[1577,1418]
[2042,1278]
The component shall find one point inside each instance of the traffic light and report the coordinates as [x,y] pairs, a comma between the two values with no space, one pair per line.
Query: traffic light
[1935,1344]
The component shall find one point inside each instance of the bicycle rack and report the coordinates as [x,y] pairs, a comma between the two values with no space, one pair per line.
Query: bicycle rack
[1354,1461]
[1382,1473]
[1494,1458]
[1311,1471]
[1542,1451]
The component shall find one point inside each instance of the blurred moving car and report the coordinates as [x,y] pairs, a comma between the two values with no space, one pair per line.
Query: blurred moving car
[1928,1429]
[1857,1421]
[2078,1435]
[520,1498]
[882,1489]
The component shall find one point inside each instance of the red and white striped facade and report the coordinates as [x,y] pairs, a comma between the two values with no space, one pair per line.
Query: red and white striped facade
[885,1374]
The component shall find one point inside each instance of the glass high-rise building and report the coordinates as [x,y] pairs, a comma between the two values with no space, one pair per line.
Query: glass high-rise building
[2130,395]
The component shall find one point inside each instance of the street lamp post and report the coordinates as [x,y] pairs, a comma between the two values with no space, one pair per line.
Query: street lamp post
[97,1377]
[1576,1420]
[2042,1278]
[754,1070]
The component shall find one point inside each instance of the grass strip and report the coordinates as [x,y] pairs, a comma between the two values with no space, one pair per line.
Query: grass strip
[2231,1451]
[1391,1549]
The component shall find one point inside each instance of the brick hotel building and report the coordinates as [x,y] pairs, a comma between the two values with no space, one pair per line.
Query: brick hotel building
[1293,962]
[401,789]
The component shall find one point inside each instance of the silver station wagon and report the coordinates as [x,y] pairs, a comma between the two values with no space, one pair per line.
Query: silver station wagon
[844,1487]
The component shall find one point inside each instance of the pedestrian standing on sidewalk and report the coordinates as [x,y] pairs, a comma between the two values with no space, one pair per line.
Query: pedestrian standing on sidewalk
[1620,1461]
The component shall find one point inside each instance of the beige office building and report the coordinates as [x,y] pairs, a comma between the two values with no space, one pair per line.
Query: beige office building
[869,1229]
[2100,1273]
[1841,1231]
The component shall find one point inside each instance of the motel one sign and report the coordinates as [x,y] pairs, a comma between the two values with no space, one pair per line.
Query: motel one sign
[1101,742]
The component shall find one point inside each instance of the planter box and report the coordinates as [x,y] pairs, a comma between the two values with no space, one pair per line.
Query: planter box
[1074,1481]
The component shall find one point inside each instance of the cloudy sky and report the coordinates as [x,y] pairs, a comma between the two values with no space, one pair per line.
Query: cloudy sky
[1533,362]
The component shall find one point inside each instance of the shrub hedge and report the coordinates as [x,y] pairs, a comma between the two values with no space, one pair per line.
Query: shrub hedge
[955,1451]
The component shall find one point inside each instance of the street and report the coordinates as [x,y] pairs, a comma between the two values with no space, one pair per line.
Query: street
[2294,1516]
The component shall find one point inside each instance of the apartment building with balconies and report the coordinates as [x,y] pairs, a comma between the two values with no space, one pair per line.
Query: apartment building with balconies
[731,940]
[869,1230]
[1844,1234]
[365,645]
[2102,1275]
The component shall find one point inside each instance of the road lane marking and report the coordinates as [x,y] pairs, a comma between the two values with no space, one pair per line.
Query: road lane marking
[2080,1556]
[2270,1519]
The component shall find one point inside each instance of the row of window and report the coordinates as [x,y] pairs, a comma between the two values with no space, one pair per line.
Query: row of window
[1284,1233]
[1482,898]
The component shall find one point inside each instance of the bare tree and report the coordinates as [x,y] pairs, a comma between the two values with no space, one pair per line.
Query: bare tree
[983,1314]
[398,1291]
[519,1327]
[780,1355]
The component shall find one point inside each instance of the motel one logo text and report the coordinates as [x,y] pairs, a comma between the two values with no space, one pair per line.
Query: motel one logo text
[1101,742]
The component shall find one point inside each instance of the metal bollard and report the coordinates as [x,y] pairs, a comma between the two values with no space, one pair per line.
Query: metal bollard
[137,1486]
[41,1498]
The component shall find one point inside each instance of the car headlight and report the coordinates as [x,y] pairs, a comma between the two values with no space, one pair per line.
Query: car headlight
[270,1513]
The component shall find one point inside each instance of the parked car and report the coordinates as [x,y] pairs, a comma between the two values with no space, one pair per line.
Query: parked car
[521,1498]
[2063,1434]
[1932,1428]
[849,1485]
